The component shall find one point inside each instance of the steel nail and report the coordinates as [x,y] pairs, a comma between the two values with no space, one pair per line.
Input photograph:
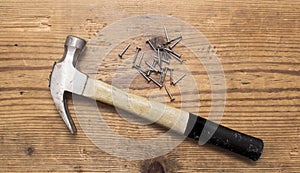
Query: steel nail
[161,78]
[154,81]
[178,59]
[154,63]
[169,93]
[151,45]
[136,54]
[163,60]
[179,37]
[124,50]
[166,34]
[174,44]
[164,74]
[151,67]
[179,79]
[171,76]
[140,60]
[136,67]
[144,75]
[159,58]
[149,72]
[172,52]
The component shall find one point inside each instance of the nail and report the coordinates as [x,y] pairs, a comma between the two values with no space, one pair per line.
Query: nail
[169,94]
[149,72]
[166,58]
[144,75]
[179,79]
[159,58]
[172,52]
[124,50]
[154,63]
[179,37]
[164,74]
[136,67]
[136,54]
[174,44]
[151,45]
[161,78]
[140,60]
[178,59]
[163,60]
[151,67]
[157,83]
[166,34]
[171,75]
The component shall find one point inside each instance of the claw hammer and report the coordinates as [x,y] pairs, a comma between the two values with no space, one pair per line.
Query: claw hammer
[66,78]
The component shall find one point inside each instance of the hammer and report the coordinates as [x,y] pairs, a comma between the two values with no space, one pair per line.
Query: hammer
[66,78]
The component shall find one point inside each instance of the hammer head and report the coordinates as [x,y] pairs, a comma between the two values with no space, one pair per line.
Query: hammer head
[66,78]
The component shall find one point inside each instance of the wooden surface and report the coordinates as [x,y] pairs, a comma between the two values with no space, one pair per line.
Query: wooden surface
[257,43]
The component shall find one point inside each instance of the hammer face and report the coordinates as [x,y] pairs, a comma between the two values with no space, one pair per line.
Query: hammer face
[65,77]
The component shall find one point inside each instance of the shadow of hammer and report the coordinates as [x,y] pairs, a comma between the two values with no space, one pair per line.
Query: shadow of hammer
[66,78]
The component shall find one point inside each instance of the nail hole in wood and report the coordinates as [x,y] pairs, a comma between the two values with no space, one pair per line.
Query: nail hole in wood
[30,151]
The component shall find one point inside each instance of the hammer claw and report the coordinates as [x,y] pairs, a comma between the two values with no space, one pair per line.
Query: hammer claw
[66,78]
[67,116]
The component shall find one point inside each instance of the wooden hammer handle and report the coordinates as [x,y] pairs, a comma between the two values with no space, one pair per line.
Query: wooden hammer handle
[159,113]
[178,120]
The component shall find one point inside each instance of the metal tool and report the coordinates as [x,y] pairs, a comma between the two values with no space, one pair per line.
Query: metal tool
[66,78]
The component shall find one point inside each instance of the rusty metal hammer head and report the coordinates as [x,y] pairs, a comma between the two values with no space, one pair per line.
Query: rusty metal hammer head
[66,78]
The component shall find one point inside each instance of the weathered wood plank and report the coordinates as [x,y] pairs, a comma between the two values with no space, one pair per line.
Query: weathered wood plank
[257,43]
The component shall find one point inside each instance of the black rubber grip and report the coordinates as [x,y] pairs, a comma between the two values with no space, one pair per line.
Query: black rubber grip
[224,137]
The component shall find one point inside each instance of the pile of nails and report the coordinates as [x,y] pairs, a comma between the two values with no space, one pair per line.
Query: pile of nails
[163,48]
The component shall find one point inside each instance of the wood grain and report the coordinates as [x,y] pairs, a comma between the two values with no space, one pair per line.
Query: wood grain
[256,41]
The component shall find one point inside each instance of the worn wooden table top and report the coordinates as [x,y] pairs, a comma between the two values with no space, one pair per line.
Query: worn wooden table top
[257,43]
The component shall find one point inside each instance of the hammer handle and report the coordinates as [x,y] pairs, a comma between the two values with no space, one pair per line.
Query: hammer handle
[159,113]
[180,121]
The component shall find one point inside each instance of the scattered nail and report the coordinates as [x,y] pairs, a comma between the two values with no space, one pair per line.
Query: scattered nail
[164,74]
[136,67]
[163,60]
[144,75]
[140,60]
[124,50]
[172,52]
[171,75]
[174,44]
[169,94]
[149,72]
[154,63]
[179,79]
[136,54]
[151,67]
[177,38]
[151,45]
[175,57]
[161,78]
[166,34]
[159,58]
[154,81]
